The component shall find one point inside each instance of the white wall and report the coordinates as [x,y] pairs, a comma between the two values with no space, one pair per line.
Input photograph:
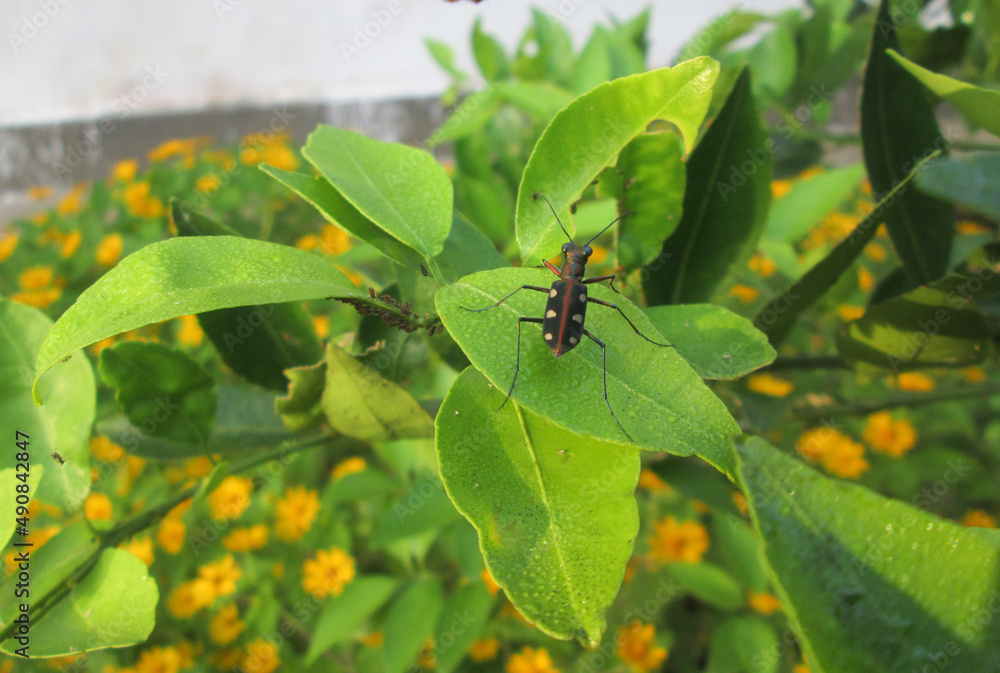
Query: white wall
[72,59]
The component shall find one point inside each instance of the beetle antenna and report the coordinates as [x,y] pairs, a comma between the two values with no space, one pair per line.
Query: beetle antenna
[627,212]
[535,196]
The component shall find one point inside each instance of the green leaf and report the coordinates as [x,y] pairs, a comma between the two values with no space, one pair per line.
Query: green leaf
[734,540]
[593,66]
[302,408]
[773,61]
[163,391]
[898,129]
[344,614]
[489,54]
[658,398]
[466,251]
[470,116]
[587,134]
[931,326]
[745,643]
[710,584]
[360,403]
[184,276]
[444,55]
[981,106]
[868,583]
[541,100]
[50,566]
[488,204]
[554,510]
[339,211]
[970,180]
[550,53]
[649,181]
[809,201]
[114,605]
[410,620]
[245,419]
[64,424]
[424,507]
[725,206]
[717,343]
[462,621]
[403,190]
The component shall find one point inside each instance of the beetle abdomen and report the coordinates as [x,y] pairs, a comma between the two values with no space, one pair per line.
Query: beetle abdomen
[562,325]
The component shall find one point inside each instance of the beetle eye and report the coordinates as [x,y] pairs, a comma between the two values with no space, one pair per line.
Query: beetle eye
[588,251]
[566,247]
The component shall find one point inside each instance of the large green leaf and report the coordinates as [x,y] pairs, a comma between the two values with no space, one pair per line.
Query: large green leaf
[554,510]
[163,391]
[972,180]
[184,276]
[931,326]
[410,620]
[897,130]
[809,201]
[403,190]
[717,343]
[343,614]
[466,251]
[648,179]
[872,584]
[425,506]
[463,619]
[725,206]
[981,106]
[744,643]
[62,425]
[587,134]
[360,403]
[114,605]
[662,403]
[489,54]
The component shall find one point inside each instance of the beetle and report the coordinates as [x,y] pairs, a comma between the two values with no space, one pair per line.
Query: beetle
[58,457]
[566,308]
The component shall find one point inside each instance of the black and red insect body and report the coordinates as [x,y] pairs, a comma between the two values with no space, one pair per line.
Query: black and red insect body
[566,309]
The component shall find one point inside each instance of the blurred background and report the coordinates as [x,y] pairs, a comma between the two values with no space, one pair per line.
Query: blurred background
[89,83]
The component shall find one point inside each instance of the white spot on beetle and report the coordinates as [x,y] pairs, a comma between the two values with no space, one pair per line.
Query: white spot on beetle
[550,314]
[553,292]
[573,341]
[583,296]
[548,336]
[578,318]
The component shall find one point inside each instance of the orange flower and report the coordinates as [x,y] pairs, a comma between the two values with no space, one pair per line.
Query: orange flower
[761,265]
[104,449]
[261,657]
[866,281]
[745,293]
[836,452]
[246,539]
[7,246]
[347,466]
[97,507]
[491,584]
[530,660]
[686,542]
[190,333]
[889,436]
[973,374]
[765,384]
[222,575]
[141,548]
[70,244]
[170,534]
[779,188]
[763,603]
[109,250]
[71,202]
[327,572]
[321,324]
[190,597]
[637,647]
[140,202]
[125,170]
[207,183]
[225,625]
[848,313]
[334,240]
[231,497]
[484,649]
[651,481]
[979,518]
[915,382]
[295,513]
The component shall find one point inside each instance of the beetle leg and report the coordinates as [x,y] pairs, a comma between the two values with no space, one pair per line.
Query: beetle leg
[523,287]
[604,351]
[634,328]
[517,362]
[597,279]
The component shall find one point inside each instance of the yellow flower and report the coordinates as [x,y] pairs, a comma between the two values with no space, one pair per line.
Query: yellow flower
[779,188]
[159,660]
[973,374]
[140,202]
[180,147]
[207,183]
[231,497]
[764,603]
[261,657]
[326,573]
[246,539]
[70,244]
[35,277]
[190,333]
[225,625]
[970,227]
[744,293]
[321,324]
[7,246]
[761,265]
[637,647]
[765,384]
[170,534]
[190,597]
[373,639]
[109,250]
[651,481]
[740,501]
[491,584]
[125,170]
[295,513]
[250,156]
[351,275]
[530,660]
[810,172]
[848,313]
[39,193]
[484,649]
[40,299]
[836,452]
[309,242]
[141,548]
[222,575]
[979,518]
[198,467]
[280,156]
[686,542]
[866,281]
[97,507]
[347,466]
[426,657]
[70,203]
[334,240]
[915,382]
[104,449]
[889,436]
[876,252]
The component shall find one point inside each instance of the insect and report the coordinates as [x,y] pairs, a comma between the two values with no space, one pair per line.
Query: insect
[566,310]
[55,454]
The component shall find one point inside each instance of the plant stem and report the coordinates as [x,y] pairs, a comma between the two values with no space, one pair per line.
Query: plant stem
[900,400]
